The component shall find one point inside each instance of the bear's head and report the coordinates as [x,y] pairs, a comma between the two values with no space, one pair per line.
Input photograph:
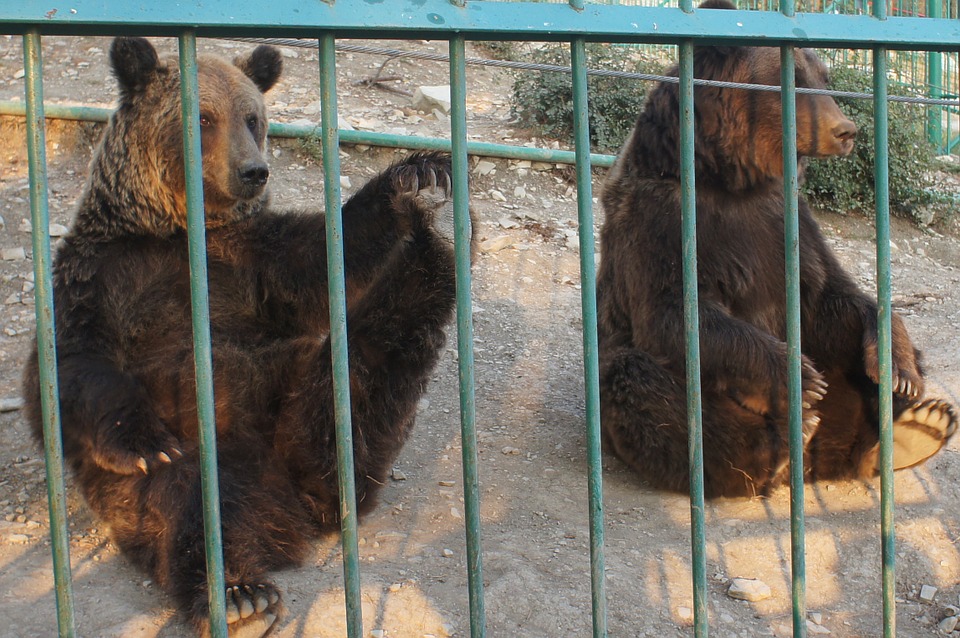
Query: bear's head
[139,167]
[739,131]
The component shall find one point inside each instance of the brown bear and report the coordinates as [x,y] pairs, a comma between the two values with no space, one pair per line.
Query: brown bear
[124,336]
[740,253]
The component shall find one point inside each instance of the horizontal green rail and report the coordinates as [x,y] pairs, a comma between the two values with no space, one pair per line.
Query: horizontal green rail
[477,20]
[305,131]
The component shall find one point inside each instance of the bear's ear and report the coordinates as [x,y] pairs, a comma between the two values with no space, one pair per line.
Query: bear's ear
[717,4]
[263,66]
[134,62]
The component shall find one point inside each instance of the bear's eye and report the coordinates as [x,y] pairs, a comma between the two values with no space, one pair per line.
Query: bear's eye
[205,120]
[253,122]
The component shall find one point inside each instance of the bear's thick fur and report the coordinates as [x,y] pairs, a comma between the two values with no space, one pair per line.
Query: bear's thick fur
[741,276]
[125,347]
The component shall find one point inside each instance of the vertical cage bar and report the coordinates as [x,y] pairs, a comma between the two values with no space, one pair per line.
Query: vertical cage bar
[935,84]
[468,426]
[46,334]
[688,196]
[881,179]
[203,354]
[791,225]
[330,143]
[591,350]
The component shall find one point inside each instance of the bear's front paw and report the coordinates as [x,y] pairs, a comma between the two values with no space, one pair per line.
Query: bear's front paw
[426,181]
[134,444]
[813,388]
[907,381]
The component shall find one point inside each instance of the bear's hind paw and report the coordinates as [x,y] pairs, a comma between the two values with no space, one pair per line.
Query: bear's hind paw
[253,611]
[919,432]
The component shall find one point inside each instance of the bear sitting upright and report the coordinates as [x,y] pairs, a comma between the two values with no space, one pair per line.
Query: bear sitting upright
[125,344]
[740,253]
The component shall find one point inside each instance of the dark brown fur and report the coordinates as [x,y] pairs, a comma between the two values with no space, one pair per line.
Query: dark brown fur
[740,252]
[124,335]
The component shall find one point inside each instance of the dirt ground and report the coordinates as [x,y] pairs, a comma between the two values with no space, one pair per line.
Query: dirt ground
[530,418]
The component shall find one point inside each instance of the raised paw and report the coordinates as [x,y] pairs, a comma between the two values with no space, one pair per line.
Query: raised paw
[253,611]
[134,444]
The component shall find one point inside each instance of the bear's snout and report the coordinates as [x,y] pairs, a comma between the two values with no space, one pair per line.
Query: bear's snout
[844,132]
[253,174]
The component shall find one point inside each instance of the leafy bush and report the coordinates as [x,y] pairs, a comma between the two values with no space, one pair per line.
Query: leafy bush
[544,100]
[845,184]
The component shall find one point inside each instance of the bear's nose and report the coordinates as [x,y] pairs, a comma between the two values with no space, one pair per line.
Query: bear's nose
[254,173]
[845,130]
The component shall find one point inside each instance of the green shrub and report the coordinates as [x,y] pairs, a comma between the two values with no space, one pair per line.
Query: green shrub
[845,184]
[543,100]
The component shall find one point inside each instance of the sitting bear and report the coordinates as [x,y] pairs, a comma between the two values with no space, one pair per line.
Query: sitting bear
[740,252]
[125,345]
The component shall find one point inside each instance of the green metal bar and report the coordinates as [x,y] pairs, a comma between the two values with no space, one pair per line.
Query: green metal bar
[791,224]
[591,350]
[691,313]
[279,129]
[46,335]
[338,335]
[935,82]
[468,425]
[881,179]
[481,21]
[203,353]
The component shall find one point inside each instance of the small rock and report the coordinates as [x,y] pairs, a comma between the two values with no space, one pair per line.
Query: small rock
[816,617]
[447,553]
[395,587]
[816,629]
[19,74]
[454,512]
[510,451]
[948,624]
[428,98]
[498,196]
[496,244]
[25,226]
[508,223]
[58,230]
[11,404]
[398,475]
[928,593]
[376,633]
[519,192]
[3,224]
[13,254]
[685,613]
[17,538]
[484,167]
[726,618]
[13,298]
[344,181]
[749,589]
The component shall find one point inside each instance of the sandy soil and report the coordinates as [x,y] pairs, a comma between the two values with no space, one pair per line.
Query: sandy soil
[530,406]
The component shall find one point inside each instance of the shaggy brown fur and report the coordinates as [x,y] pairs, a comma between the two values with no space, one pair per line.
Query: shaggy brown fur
[124,335]
[740,252]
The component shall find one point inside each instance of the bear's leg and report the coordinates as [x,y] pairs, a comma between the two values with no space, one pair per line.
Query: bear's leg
[644,417]
[264,525]
[395,332]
